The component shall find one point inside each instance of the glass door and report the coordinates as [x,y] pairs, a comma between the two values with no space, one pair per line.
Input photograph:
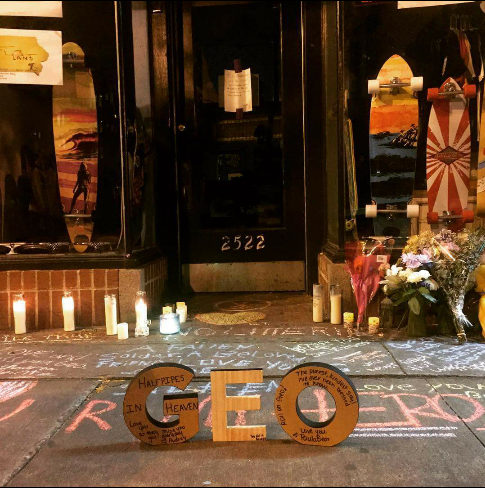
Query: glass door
[240,145]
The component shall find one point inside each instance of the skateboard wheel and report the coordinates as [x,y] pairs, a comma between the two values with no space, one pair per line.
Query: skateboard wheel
[374,86]
[417,83]
[468,216]
[470,91]
[413,211]
[433,218]
[433,94]
[371,211]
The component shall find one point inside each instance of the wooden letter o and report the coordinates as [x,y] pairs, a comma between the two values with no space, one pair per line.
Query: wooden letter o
[142,425]
[303,430]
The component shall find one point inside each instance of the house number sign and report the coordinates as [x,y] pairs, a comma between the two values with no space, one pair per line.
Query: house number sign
[243,243]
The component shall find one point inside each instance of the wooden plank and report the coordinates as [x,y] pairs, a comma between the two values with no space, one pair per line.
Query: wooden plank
[221,404]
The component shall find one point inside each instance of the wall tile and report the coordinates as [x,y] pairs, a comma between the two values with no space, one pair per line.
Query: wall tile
[100,282]
[43,280]
[30,281]
[57,280]
[71,280]
[86,279]
[15,281]
[3,281]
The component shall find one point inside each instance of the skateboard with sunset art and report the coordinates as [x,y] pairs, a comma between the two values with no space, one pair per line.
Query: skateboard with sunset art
[448,155]
[75,122]
[393,139]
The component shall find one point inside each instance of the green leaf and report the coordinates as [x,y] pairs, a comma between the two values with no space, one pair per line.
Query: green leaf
[415,306]
[424,291]
[409,293]
[430,298]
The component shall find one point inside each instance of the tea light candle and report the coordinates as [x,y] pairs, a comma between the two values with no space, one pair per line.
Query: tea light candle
[167,309]
[123,333]
[169,324]
[349,319]
[182,312]
[20,314]
[68,312]
[374,324]
[111,312]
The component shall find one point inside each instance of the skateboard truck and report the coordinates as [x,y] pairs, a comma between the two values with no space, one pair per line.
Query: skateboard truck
[449,218]
[395,84]
[372,211]
[469,91]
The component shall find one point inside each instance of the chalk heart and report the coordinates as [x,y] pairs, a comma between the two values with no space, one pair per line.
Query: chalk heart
[142,425]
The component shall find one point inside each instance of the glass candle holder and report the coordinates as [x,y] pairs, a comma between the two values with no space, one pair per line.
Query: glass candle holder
[141,308]
[68,312]
[169,324]
[20,314]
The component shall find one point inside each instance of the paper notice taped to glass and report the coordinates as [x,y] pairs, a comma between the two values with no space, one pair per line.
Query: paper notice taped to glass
[237,91]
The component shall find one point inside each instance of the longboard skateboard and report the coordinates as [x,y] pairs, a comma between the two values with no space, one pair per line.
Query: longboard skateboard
[351,225]
[481,168]
[448,155]
[393,140]
[75,123]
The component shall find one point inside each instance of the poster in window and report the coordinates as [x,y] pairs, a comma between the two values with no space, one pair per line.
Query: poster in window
[31,9]
[30,57]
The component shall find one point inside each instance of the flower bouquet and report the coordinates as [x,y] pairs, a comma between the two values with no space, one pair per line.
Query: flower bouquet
[365,268]
[410,283]
[451,259]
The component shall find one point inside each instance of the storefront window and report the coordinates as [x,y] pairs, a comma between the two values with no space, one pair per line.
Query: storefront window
[404,152]
[61,170]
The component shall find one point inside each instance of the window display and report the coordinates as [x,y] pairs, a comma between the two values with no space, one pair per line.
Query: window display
[414,82]
[64,188]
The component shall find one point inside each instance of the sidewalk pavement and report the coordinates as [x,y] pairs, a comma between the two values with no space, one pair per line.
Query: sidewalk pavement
[422,417]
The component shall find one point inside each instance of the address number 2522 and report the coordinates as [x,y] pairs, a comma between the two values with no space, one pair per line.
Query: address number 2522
[243,243]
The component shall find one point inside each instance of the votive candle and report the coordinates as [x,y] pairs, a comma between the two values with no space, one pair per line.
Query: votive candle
[20,314]
[123,332]
[68,312]
[111,312]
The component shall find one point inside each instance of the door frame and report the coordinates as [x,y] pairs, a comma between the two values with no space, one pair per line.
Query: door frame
[165,33]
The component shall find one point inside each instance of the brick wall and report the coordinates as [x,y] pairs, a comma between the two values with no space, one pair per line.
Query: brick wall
[43,291]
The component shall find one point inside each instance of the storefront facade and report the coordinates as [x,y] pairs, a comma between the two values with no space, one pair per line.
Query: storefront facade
[182,193]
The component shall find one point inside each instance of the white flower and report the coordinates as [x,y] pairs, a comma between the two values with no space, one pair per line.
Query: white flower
[418,276]
[386,289]
[394,271]
[425,274]
[405,274]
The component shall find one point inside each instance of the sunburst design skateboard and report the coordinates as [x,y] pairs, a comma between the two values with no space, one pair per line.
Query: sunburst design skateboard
[393,141]
[449,155]
[75,123]
[481,168]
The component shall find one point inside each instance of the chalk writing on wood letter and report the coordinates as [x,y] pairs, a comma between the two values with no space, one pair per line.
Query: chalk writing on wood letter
[305,431]
[142,425]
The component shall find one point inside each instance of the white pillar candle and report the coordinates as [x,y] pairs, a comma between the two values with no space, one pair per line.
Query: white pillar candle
[182,313]
[123,333]
[318,303]
[20,315]
[111,312]
[335,305]
[68,312]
